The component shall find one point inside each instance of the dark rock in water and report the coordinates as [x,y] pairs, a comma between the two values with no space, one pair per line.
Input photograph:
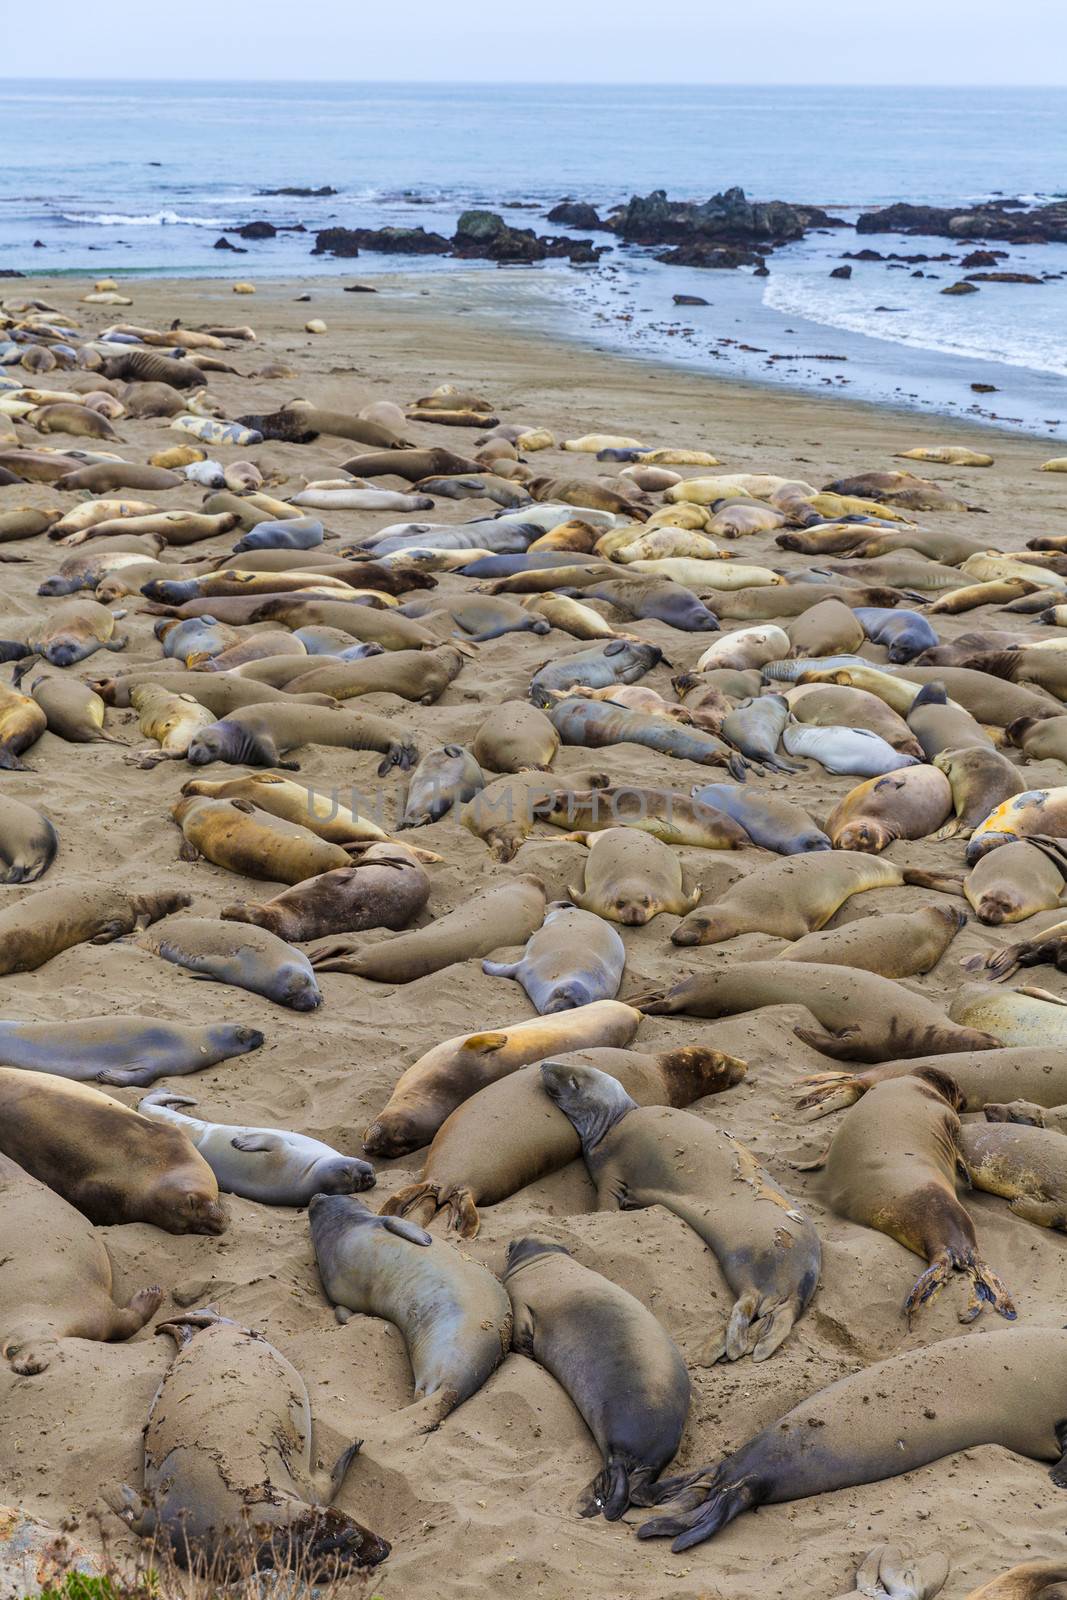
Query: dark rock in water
[392,241]
[689,300]
[301,194]
[485,236]
[1003,277]
[998,219]
[224,244]
[257,230]
[575,214]
[918,273]
[960,288]
[728,218]
[359,288]
[9,272]
[762,271]
[984,388]
[39,244]
[699,254]
[841,272]
[984,258]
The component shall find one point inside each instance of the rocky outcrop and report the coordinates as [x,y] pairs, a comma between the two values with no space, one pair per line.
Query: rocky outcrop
[1003,277]
[984,258]
[301,194]
[223,243]
[698,254]
[391,241]
[841,272]
[729,218]
[961,288]
[257,230]
[576,214]
[996,220]
[485,236]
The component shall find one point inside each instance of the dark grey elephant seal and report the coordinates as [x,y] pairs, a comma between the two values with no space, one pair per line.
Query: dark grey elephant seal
[617,661]
[573,959]
[656,1155]
[453,1313]
[130,1052]
[443,778]
[620,1368]
[905,634]
[238,953]
[28,842]
[271,1165]
[228,1462]
[755,727]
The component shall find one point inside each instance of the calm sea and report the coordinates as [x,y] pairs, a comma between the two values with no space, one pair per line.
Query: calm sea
[125,177]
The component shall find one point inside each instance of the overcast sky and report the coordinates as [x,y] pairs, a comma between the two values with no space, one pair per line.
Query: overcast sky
[582,41]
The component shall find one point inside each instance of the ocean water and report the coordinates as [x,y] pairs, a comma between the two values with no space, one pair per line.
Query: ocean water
[142,178]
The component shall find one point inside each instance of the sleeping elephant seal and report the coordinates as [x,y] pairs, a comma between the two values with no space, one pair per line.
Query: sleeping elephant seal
[74,631]
[630,877]
[641,1156]
[443,778]
[1015,882]
[663,813]
[911,803]
[503,814]
[940,726]
[1006,1388]
[895,944]
[767,818]
[266,1164]
[1034,811]
[515,736]
[258,735]
[111,1163]
[229,1499]
[451,1072]
[1024,1165]
[385,888]
[892,1165]
[597,723]
[28,842]
[125,1051]
[22,723]
[905,634]
[862,1017]
[618,661]
[235,835]
[53,920]
[622,1370]
[296,801]
[249,958]
[981,780]
[1017,1073]
[454,1315]
[1013,1016]
[573,959]
[55,1277]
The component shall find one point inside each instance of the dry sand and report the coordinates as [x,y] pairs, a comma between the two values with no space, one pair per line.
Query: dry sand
[485,1506]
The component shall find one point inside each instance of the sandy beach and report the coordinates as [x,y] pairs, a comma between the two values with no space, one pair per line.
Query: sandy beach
[486,1505]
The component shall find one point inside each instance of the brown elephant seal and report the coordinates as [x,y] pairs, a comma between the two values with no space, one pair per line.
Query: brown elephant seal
[103,477]
[630,877]
[125,1051]
[503,814]
[939,726]
[449,1073]
[573,959]
[838,705]
[672,818]
[1015,882]
[418,675]
[1044,739]
[1029,813]
[1007,1388]
[22,723]
[74,711]
[1033,1580]
[220,693]
[259,735]
[72,632]
[28,841]
[515,737]
[231,1499]
[983,1077]
[169,719]
[1024,1165]
[452,1312]
[892,1165]
[797,895]
[745,648]
[234,834]
[911,803]
[769,820]
[251,958]
[993,701]
[622,1370]
[506,913]
[510,1134]
[1013,1016]
[53,920]
[105,1159]
[825,629]
[641,1156]
[385,888]
[862,1017]
[55,1277]
[66,417]
[298,800]
[443,778]
[896,944]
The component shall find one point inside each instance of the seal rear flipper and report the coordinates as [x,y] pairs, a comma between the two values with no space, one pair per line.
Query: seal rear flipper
[986,1289]
[29,1356]
[1058,1473]
[131,1318]
[420,1201]
[843,1044]
[830,1091]
[709,1508]
[615,1488]
[128,1505]
[887,1571]
[946,882]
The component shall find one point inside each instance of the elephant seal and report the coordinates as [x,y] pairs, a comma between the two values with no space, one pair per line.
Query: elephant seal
[993,701]
[630,877]
[597,723]
[168,718]
[28,842]
[294,533]
[235,835]
[220,693]
[796,896]
[895,944]
[939,726]
[755,727]
[385,888]
[981,780]
[904,634]
[126,1051]
[259,735]
[55,1277]
[1041,740]
[510,1134]
[74,711]
[1009,1073]
[824,629]
[105,1159]
[22,723]
[449,1073]
[53,920]
[910,804]
[623,1372]
[745,649]
[573,959]
[892,1165]
[453,1314]
[506,913]
[252,958]
[618,661]
[1015,882]
[271,1165]
[641,1156]
[1033,1580]
[838,705]
[419,675]
[226,1500]
[515,737]
[1012,1016]
[862,1017]
[1033,811]
[1049,947]
[855,752]
[503,814]
[293,801]
[1006,1388]
[666,815]
[770,821]
[443,778]
[103,477]
[1024,1165]
[657,597]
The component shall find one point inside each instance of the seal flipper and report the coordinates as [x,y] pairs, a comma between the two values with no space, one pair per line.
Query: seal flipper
[831,1091]
[138,1516]
[259,1142]
[986,1289]
[422,1201]
[705,1513]
[622,1482]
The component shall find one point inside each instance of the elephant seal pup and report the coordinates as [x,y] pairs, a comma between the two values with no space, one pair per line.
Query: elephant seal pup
[386,888]
[1006,1388]
[506,913]
[1015,882]
[896,945]
[271,1165]
[73,710]
[862,1017]
[910,804]
[252,958]
[770,821]
[28,842]
[622,1370]
[618,661]
[111,1163]
[641,1156]
[825,629]
[55,1277]
[443,778]
[235,835]
[798,895]
[984,1078]
[755,728]
[510,1134]
[515,737]
[453,1313]
[125,1051]
[451,1072]
[665,815]
[53,920]
[229,1496]
[22,723]
[596,724]
[1024,1165]
[503,814]
[170,719]
[573,959]
[892,1165]
[855,752]
[259,735]
[630,877]
[838,705]
[746,648]
[980,779]
[905,634]
[1034,811]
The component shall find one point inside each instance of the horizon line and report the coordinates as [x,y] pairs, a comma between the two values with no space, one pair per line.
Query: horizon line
[552,83]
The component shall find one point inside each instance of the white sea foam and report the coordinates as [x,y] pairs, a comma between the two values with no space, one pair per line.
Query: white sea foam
[154,219]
